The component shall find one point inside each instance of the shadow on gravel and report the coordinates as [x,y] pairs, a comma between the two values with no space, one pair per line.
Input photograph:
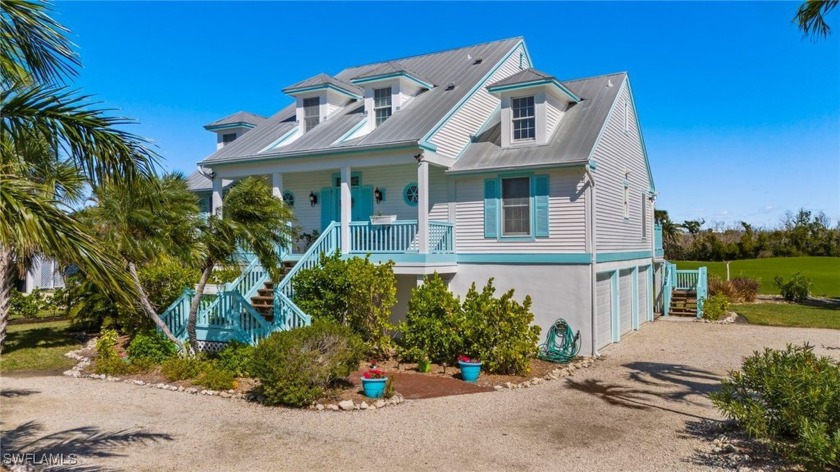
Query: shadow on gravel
[650,383]
[72,447]
[17,392]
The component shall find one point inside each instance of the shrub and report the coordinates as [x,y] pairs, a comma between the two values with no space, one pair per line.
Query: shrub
[718,286]
[790,397]
[236,358]
[797,289]
[26,306]
[745,289]
[108,360]
[499,330]
[434,324]
[151,347]
[164,280]
[353,292]
[715,306]
[214,377]
[181,368]
[295,367]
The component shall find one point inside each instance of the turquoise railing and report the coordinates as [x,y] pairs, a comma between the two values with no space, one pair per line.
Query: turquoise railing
[441,238]
[686,279]
[399,237]
[669,280]
[658,251]
[233,313]
[176,315]
[702,290]
[287,314]
[694,280]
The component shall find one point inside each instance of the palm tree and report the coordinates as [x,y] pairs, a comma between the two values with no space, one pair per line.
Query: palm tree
[252,220]
[142,222]
[41,112]
[811,17]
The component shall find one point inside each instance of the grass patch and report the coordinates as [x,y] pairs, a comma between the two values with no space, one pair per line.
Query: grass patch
[821,270]
[54,313]
[811,315]
[38,346]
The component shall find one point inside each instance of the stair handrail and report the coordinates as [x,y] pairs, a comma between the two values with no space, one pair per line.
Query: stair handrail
[255,327]
[702,289]
[176,314]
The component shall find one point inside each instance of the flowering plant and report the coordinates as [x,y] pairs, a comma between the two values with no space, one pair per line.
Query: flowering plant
[468,360]
[374,374]
[373,364]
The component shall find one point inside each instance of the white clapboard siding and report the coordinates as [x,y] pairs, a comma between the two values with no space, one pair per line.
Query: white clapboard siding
[567,217]
[554,109]
[453,136]
[618,152]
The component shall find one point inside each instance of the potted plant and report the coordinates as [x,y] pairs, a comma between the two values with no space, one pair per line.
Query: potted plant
[373,383]
[470,368]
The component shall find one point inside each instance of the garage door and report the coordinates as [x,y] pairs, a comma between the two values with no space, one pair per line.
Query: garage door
[644,295]
[604,310]
[625,295]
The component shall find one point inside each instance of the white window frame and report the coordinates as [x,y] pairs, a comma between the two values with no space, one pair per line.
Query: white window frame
[388,107]
[316,117]
[504,206]
[514,119]
[626,116]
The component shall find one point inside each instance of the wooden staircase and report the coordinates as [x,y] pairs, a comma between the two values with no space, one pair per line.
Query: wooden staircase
[263,301]
[683,303]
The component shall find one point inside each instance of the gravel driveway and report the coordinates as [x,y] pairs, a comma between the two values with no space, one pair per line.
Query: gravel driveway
[634,410]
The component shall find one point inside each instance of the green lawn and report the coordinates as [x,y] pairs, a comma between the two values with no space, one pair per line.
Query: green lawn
[790,314]
[824,272]
[38,346]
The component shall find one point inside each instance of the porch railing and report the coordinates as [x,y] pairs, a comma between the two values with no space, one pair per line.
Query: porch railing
[400,236]
[693,280]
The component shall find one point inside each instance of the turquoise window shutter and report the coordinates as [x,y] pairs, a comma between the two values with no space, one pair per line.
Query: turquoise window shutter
[366,203]
[491,208]
[326,202]
[541,206]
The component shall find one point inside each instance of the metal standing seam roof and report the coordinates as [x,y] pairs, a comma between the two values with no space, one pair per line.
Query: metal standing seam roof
[457,66]
[324,79]
[197,182]
[238,117]
[570,144]
[523,76]
[391,67]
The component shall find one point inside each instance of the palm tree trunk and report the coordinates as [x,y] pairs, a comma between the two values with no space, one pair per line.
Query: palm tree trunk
[199,291]
[6,271]
[149,309]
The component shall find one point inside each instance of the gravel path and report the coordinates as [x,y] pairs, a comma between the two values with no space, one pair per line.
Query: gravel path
[634,410]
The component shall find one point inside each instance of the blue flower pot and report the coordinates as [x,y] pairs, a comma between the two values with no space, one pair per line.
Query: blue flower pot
[470,370]
[374,388]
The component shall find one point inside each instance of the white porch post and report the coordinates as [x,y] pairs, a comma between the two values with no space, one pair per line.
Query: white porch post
[216,207]
[346,209]
[277,185]
[423,207]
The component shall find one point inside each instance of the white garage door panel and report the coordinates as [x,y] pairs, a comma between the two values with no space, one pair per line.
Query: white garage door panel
[644,295]
[625,294]
[604,310]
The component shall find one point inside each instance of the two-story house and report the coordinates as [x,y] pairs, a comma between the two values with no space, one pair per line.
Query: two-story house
[470,163]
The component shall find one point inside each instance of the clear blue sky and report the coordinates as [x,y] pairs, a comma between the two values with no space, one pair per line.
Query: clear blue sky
[741,116]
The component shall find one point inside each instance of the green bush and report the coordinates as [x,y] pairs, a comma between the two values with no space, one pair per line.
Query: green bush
[797,289]
[745,289]
[718,286]
[353,292]
[434,324]
[499,330]
[790,398]
[164,280]
[181,368]
[214,377]
[26,306]
[151,347]
[236,358]
[108,360]
[715,306]
[295,367]
[225,275]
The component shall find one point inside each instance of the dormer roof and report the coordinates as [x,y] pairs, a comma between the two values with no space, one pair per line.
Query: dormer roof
[240,119]
[389,70]
[531,78]
[324,81]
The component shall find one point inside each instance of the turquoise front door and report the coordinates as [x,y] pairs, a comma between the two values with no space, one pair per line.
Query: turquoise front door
[362,204]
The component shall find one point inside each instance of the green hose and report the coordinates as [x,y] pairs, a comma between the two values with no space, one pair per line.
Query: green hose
[561,345]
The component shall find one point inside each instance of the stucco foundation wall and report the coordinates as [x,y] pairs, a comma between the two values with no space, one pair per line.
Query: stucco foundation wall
[557,291]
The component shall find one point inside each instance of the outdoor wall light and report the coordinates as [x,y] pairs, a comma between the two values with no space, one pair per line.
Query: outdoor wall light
[313,199]
[378,195]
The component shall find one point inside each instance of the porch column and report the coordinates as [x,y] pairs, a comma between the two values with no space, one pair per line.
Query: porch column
[346,209]
[423,207]
[216,207]
[277,185]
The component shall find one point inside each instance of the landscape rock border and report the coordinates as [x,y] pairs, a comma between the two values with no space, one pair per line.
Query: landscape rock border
[566,370]
[730,318]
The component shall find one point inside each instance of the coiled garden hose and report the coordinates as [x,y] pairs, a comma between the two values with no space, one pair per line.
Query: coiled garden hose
[561,344]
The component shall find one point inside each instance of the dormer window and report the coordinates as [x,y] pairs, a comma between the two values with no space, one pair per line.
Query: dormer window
[524,119]
[382,104]
[311,113]
[228,138]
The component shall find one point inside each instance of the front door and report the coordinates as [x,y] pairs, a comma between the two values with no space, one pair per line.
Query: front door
[361,198]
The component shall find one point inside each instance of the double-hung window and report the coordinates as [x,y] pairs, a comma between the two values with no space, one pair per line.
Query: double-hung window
[524,121]
[311,113]
[382,104]
[516,206]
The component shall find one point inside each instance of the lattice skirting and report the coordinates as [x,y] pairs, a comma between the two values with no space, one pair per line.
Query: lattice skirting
[210,346]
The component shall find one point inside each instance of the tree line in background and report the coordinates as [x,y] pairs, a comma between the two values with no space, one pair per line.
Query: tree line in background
[803,233]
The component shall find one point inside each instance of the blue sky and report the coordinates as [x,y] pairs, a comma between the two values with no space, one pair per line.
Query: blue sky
[740,115]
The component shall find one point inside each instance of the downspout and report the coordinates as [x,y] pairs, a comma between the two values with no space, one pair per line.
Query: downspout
[593,260]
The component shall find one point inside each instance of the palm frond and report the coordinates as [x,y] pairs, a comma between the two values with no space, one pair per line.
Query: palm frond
[86,134]
[33,45]
[811,17]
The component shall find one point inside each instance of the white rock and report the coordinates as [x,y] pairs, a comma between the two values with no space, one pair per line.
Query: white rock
[332,407]
[508,385]
[498,387]
[379,403]
[203,392]
[191,390]
[181,389]
[224,395]
[363,406]
[139,382]
[346,405]
[319,407]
